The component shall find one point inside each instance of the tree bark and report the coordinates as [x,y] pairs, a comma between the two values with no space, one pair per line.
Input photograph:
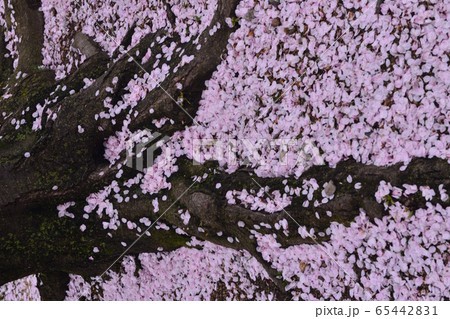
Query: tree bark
[53,285]
[33,239]
[30,28]
[6,63]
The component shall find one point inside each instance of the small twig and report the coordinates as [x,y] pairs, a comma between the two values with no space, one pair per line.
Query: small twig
[170,15]
[378,7]
[126,41]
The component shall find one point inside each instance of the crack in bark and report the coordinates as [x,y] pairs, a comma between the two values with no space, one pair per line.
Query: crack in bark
[34,239]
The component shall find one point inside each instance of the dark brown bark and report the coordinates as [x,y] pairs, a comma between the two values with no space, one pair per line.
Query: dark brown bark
[170,15]
[72,158]
[39,241]
[53,285]
[33,239]
[30,28]
[378,6]
[6,63]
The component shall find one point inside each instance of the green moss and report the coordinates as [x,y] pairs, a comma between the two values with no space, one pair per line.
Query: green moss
[389,200]
[170,240]
[234,21]
[50,238]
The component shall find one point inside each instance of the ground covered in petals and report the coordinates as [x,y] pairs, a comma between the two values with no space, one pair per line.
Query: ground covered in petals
[337,77]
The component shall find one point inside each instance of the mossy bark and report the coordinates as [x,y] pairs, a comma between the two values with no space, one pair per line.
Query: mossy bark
[33,239]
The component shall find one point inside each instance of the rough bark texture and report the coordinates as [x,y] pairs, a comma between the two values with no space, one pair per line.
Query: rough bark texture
[30,28]
[6,64]
[33,239]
